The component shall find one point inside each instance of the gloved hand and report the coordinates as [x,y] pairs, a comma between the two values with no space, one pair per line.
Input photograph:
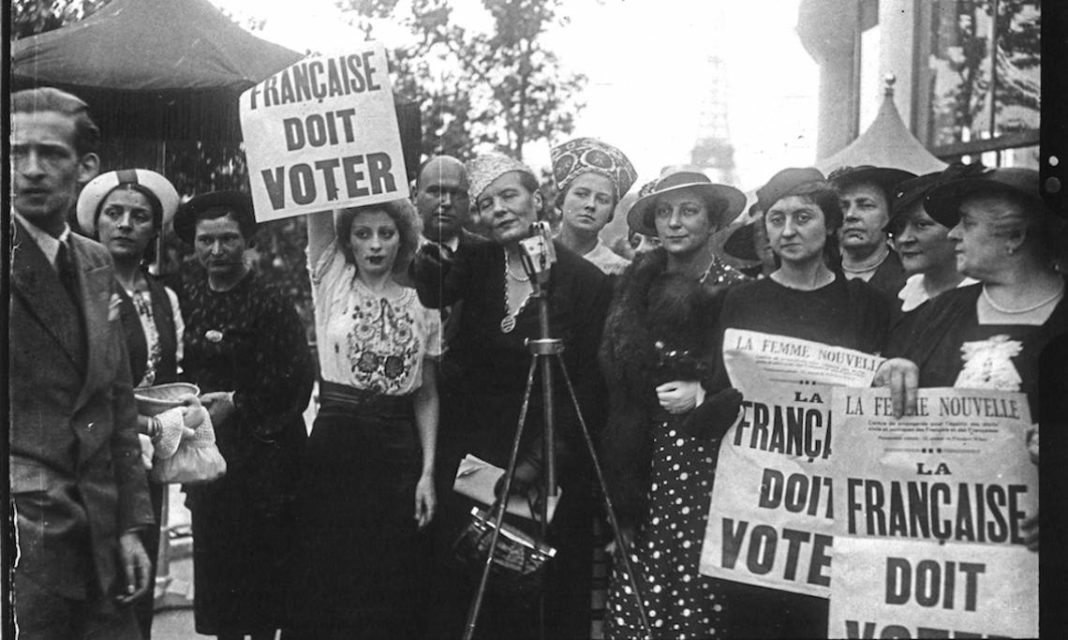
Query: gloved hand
[711,419]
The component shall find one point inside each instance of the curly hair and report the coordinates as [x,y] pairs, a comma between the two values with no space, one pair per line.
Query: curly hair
[401,212]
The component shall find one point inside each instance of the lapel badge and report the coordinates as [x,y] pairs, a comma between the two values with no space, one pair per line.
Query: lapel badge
[213,336]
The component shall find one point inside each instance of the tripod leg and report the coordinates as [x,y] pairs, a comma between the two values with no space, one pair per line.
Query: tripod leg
[497,512]
[620,542]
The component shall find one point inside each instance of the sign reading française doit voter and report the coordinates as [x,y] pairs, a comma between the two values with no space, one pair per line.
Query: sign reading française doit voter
[322,134]
[929,537]
[771,520]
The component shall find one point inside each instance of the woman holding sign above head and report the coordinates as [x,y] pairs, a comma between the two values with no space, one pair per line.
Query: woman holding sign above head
[367,487]
[246,349]
[660,441]
[806,297]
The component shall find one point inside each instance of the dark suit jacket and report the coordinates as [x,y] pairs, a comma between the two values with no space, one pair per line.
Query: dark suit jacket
[76,475]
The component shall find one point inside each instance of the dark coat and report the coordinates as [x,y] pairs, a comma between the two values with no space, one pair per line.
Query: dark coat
[76,474]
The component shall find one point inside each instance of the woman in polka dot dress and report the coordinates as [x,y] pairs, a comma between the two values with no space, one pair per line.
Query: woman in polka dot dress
[660,445]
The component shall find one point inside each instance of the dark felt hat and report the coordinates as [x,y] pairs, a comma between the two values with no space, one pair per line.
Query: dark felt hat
[913,190]
[238,204]
[727,202]
[943,202]
[886,178]
[783,183]
[741,240]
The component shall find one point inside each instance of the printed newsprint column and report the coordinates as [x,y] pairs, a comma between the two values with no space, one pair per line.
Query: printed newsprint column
[927,522]
[322,134]
[770,521]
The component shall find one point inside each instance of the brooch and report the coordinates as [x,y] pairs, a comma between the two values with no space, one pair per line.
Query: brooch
[213,336]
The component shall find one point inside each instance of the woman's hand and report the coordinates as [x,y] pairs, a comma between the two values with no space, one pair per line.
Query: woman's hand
[425,500]
[903,377]
[680,396]
[219,404]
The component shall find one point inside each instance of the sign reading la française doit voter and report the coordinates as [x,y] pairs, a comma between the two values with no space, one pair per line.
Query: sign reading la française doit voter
[771,517]
[322,134]
[928,539]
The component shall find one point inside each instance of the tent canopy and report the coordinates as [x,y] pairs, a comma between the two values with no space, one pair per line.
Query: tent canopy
[165,70]
[886,143]
[142,45]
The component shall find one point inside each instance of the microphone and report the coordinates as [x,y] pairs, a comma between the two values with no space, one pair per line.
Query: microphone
[538,253]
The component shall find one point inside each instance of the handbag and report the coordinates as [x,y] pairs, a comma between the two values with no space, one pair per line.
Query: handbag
[197,459]
[518,559]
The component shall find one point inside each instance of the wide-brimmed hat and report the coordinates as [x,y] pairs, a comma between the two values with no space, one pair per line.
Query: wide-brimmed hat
[98,188]
[238,204]
[725,202]
[784,182]
[943,202]
[590,155]
[886,178]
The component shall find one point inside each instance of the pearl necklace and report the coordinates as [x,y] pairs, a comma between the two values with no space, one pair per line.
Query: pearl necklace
[509,320]
[993,305]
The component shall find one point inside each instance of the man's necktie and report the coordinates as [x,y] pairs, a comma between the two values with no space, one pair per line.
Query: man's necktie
[68,274]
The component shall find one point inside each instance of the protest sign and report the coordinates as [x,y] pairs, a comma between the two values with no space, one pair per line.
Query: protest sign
[322,134]
[927,536]
[754,359]
[770,521]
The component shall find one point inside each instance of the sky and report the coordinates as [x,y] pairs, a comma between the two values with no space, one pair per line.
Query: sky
[648,73]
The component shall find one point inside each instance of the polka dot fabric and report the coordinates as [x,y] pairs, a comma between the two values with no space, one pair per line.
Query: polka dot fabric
[679,602]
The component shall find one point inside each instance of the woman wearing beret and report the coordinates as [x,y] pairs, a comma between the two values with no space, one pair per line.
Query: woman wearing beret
[591,176]
[368,475]
[806,297]
[656,356]
[481,404]
[126,211]
[246,349]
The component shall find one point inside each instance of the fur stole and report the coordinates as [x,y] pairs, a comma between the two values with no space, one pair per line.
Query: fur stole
[660,327]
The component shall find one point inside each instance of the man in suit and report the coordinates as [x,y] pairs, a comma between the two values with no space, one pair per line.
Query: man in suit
[77,482]
[443,205]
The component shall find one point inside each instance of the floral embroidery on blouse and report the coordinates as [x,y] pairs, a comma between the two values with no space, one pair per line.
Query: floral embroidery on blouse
[382,345]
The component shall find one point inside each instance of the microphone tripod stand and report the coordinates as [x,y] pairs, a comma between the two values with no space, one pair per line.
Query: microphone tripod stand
[545,351]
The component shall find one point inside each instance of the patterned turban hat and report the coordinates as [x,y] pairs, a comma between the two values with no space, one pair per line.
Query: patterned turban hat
[483,170]
[580,155]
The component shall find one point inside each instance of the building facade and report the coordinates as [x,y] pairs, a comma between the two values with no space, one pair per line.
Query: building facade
[967,73]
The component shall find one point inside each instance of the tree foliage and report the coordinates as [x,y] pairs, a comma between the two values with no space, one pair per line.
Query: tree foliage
[502,87]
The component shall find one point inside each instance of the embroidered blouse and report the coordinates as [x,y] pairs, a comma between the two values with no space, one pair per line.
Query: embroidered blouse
[366,340]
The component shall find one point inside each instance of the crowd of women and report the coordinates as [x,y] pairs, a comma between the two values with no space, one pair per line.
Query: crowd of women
[957,278]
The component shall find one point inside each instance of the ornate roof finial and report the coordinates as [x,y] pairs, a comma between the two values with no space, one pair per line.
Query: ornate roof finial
[889,80]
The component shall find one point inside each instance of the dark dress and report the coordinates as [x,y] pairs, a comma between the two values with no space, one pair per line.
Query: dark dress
[659,472]
[933,335]
[484,374]
[844,313]
[248,340]
[890,276]
[361,563]
[166,370]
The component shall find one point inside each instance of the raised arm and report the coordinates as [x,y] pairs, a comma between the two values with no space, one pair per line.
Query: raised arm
[320,234]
